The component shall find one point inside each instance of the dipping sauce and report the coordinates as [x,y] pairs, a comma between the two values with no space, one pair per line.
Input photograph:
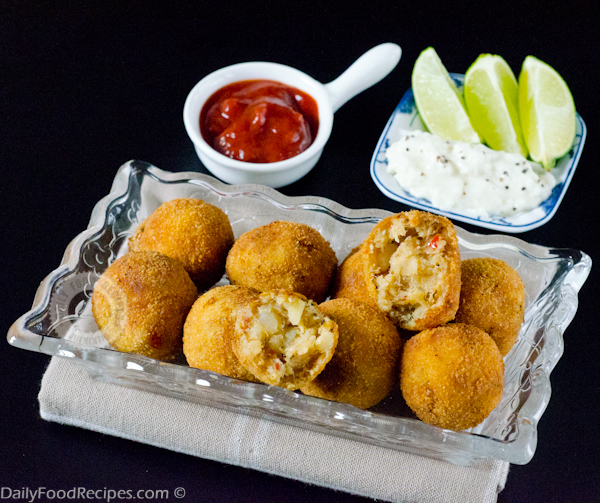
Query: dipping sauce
[259,121]
[473,178]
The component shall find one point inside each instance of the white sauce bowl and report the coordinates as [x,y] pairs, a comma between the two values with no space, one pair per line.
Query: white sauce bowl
[366,71]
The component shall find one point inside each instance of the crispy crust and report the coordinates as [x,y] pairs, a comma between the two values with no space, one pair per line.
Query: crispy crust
[140,304]
[364,367]
[452,376]
[350,280]
[283,255]
[192,231]
[284,339]
[493,299]
[412,269]
[210,327]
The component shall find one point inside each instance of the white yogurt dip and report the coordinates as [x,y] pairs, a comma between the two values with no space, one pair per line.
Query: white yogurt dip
[473,178]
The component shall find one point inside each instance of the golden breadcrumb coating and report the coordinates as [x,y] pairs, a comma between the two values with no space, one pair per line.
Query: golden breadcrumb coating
[284,339]
[351,281]
[412,269]
[492,298]
[140,304]
[283,255]
[210,327]
[364,367]
[192,231]
[452,376]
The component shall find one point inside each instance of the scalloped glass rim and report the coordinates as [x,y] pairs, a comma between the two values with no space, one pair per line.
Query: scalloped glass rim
[405,116]
[60,321]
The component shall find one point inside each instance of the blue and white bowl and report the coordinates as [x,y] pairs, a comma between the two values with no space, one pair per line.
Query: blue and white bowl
[405,117]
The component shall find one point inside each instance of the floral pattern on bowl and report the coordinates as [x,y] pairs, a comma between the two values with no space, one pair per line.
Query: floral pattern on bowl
[405,116]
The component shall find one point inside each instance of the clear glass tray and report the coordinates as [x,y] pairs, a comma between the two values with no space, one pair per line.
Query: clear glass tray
[60,321]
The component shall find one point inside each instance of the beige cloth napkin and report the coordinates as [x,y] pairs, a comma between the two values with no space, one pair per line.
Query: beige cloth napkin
[70,395]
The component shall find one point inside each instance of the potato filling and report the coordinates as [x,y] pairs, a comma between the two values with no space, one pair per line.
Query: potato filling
[408,267]
[287,337]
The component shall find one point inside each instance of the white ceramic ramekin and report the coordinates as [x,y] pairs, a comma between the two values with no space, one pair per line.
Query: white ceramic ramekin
[366,71]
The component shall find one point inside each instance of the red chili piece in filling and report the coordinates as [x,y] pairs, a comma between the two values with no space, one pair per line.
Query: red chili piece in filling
[434,241]
[259,121]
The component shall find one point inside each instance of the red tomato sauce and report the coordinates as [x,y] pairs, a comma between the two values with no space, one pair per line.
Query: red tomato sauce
[259,121]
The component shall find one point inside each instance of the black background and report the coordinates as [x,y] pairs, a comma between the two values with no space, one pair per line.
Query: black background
[86,86]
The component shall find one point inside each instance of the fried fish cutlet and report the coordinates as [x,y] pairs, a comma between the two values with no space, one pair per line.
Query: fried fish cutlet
[140,304]
[283,255]
[364,367]
[452,376]
[284,339]
[192,231]
[210,327]
[492,298]
[411,265]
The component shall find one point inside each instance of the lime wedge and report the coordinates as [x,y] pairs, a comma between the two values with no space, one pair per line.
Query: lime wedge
[547,112]
[491,97]
[438,100]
